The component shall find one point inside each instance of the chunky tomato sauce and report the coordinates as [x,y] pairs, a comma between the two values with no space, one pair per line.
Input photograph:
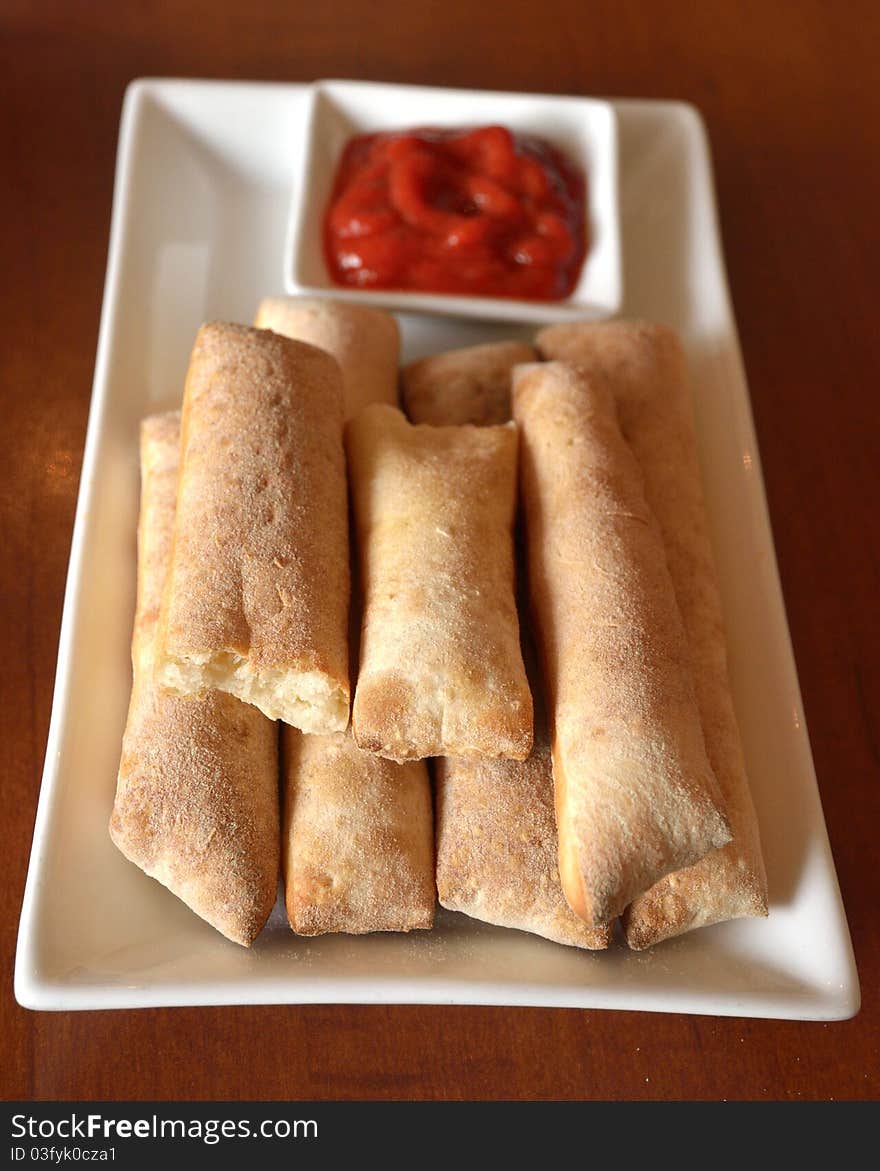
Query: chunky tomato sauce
[457,211]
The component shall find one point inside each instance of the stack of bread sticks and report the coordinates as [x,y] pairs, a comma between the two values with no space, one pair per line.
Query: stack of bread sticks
[529,601]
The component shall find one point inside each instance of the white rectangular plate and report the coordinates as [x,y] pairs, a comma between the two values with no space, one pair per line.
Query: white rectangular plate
[202,192]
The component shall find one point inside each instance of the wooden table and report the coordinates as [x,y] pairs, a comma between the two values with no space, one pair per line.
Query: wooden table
[789,94]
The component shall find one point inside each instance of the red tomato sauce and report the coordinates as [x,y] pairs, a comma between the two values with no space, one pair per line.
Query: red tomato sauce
[457,211]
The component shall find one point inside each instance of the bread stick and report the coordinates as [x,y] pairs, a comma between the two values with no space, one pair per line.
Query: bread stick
[197,794]
[256,601]
[441,672]
[364,341]
[470,385]
[646,370]
[358,838]
[635,794]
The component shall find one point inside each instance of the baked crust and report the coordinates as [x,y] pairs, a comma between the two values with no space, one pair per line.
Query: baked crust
[470,385]
[635,794]
[364,341]
[497,847]
[646,369]
[256,601]
[441,672]
[196,801]
[358,838]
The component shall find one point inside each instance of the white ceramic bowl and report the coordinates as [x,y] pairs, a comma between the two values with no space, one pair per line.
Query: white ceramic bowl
[583,128]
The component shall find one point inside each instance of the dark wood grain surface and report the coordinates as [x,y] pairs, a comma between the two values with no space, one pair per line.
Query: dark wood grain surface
[789,94]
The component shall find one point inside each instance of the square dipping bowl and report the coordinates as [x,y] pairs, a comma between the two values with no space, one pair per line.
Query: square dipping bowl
[584,129]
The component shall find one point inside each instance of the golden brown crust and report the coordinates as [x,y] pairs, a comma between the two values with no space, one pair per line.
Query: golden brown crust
[470,385]
[364,341]
[196,802]
[497,847]
[441,671]
[358,838]
[256,601]
[646,369]
[635,794]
